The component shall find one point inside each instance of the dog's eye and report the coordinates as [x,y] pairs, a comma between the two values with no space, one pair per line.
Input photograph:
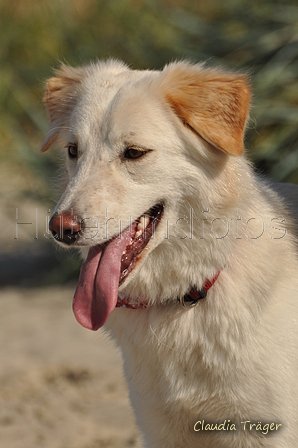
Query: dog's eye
[72,150]
[133,153]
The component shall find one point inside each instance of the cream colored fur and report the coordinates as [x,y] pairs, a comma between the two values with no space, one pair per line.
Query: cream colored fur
[233,356]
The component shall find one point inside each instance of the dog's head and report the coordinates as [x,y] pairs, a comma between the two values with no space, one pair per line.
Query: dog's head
[140,146]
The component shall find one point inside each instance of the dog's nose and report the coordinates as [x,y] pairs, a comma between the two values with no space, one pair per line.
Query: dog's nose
[65,227]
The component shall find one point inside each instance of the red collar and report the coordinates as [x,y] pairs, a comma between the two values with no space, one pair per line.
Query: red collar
[189,300]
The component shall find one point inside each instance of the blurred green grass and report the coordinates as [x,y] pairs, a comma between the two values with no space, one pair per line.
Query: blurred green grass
[260,38]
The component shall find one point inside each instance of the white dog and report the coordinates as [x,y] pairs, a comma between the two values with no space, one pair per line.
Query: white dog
[192,262]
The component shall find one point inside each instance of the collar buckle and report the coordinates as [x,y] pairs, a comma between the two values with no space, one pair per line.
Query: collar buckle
[187,301]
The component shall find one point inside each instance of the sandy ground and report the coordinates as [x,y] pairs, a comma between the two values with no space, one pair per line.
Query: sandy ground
[61,386]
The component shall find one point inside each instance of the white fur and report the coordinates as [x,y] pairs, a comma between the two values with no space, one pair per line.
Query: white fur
[234,355]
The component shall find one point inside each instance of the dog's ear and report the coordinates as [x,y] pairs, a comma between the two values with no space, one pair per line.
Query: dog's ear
[60,98]
[212,103]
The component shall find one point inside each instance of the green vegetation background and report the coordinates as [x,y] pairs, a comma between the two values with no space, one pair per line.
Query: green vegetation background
[259,37]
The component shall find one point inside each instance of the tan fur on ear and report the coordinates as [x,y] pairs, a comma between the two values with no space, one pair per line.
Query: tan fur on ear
[213,103]
[60,97]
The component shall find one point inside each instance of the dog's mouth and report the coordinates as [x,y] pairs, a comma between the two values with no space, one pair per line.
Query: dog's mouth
[108,265]
[142,231]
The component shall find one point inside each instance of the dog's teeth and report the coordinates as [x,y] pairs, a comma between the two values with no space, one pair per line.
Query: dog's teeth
[138,233]
[144,221]
[124,252]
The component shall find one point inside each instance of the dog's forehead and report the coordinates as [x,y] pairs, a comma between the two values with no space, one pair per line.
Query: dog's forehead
[120,108]
[99,89]
[137,109]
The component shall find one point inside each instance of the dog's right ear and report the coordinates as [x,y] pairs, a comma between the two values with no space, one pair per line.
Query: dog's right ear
[60,98]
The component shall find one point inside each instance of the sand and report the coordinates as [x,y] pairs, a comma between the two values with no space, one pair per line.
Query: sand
[61,386]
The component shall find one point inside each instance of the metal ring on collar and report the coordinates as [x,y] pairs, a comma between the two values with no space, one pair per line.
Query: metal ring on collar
[187,303]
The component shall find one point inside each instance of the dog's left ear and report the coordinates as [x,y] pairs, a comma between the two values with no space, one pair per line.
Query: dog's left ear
[212,103]
[60,98]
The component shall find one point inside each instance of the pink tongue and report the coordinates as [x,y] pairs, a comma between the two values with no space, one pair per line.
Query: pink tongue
[97,290]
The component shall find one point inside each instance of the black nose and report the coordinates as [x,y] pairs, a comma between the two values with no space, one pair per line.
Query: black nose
[65,227]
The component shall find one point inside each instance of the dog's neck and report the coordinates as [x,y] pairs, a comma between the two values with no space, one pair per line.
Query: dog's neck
[188,300]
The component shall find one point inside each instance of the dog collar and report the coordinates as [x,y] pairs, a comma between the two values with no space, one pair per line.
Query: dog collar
[189,300]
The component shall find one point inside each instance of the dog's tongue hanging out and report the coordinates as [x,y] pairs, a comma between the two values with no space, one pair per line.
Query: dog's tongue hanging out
[97,290]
